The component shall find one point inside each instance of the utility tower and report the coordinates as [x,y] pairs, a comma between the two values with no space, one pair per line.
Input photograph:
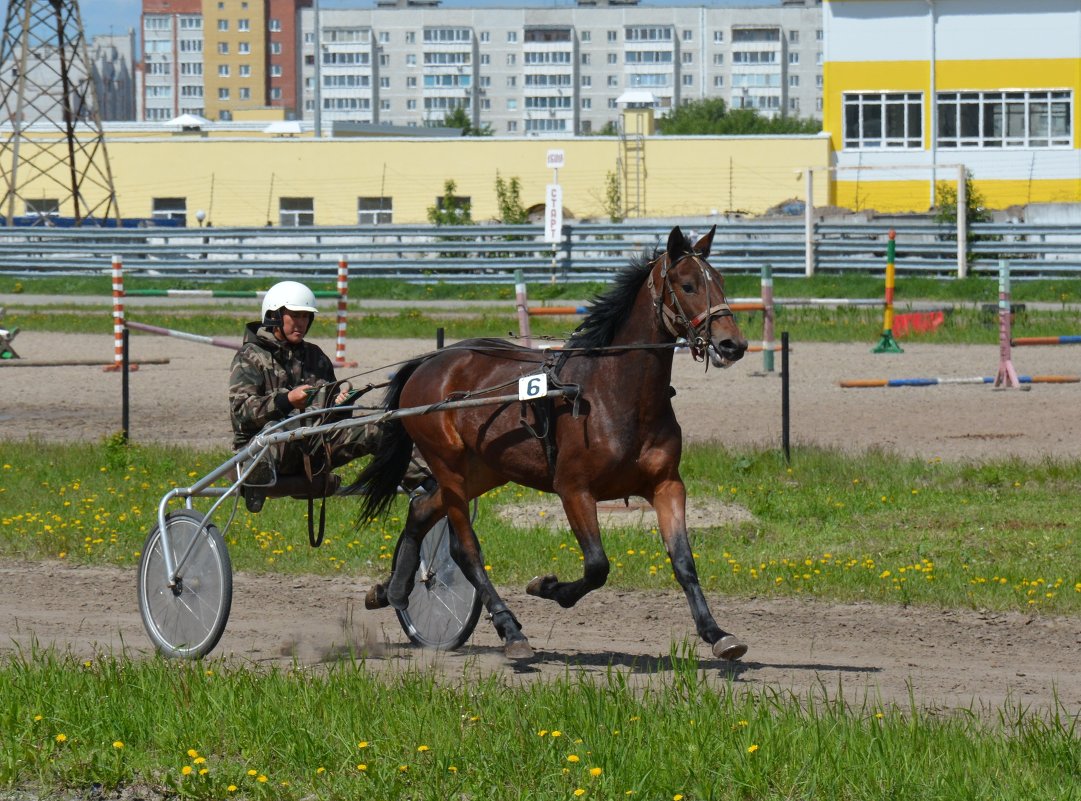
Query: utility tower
[52,148]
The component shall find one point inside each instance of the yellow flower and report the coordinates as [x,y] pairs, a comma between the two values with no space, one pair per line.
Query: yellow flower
[193,753]
[557,733]
[117,744]
[320,770]
[204,771]
[362,767]
[199,760]
[596,771]
[422,748]
[751,749]
[252,772]
[677,797]
[452,769]
[262,779]
[579,791]
[403,768]
[362,744]
[61,738]
[231,788]
[37,718]
[542,732]
[572,758]
[186,770]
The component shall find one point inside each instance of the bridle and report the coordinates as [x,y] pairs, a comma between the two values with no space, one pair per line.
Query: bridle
[672,316]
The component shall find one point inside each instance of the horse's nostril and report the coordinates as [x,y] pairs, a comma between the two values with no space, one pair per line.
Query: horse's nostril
[733,347]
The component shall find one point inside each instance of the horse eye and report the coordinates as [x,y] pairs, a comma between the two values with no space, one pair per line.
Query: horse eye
[688,288]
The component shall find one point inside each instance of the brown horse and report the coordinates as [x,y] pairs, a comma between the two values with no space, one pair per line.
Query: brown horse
[618,437]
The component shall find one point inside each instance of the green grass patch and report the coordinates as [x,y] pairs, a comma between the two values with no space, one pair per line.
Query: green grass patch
[216,730]
[836,527]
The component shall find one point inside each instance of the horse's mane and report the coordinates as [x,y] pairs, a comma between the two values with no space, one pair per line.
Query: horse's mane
[609,310]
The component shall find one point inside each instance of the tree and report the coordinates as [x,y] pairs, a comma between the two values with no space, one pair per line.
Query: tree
[946,211]
[613,197]
[458,118]
[712,116]
[451,210]
[509,197]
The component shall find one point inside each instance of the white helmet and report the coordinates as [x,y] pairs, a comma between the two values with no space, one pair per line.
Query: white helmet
[290,295]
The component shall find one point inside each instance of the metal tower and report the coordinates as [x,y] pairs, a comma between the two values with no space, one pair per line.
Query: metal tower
[52,148]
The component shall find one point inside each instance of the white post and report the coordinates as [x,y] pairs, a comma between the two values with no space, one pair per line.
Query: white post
[808,225]
[962,224]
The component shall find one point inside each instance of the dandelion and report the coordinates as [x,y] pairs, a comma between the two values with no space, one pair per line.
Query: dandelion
[262,779]
[231,788]
[38,718]
[542,732]
[452,769]
[204,771]
[320,770]
[422,748]
[596,771]
[186,770]
[362,744]
[193,753]
[362,767]
[751,749]
[117,745]
[61,738]
[677,797]
[253,772]
[572,758]
[403,768]
[557,733]
[579,792]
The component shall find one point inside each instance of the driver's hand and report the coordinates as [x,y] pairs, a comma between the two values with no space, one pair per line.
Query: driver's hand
[346,388]
[298,398]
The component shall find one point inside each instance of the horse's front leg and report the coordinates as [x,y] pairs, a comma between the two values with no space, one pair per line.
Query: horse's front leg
[670,501]
[581,512]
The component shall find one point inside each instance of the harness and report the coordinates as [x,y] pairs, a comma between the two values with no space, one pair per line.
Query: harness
[672,317]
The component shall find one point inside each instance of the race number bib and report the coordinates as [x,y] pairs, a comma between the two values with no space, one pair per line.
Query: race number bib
[531,387]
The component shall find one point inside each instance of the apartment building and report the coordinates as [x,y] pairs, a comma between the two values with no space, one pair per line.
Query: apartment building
[515,70]
[219,58]
[552,71]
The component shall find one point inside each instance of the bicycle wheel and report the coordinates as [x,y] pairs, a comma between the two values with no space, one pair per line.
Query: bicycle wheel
[443,607]
[186,620]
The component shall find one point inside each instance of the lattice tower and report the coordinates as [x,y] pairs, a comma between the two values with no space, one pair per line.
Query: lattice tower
[52,144]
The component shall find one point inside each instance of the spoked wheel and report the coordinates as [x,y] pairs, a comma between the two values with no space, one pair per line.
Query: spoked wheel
[186,620]
[443,607]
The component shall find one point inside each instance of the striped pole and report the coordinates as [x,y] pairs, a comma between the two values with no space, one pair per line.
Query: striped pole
[869,383]
[767,318]
[118,320]
[172,332]
[343,302]
[1007,375]
[1066,339]
[522,301]
[887,344]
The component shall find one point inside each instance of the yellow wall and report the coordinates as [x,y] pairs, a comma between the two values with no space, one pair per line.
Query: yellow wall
[238,182]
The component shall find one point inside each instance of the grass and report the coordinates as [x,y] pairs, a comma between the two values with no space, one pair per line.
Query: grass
[839,528]
[287,734]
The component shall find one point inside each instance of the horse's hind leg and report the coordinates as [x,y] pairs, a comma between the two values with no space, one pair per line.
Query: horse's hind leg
[468,557]
[581,512]
[670,501]
[423,514]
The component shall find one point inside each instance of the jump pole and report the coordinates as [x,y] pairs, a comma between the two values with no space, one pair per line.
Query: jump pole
[522,302]
[169,332]
[343,303]
[1006,378]
[118,320]
[767,318]
[887,344]
[872,383]
[1067,339]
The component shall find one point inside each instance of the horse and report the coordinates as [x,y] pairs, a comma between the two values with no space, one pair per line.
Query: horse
[616,437]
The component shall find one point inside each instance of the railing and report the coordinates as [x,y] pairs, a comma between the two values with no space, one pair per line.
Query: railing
[492,253]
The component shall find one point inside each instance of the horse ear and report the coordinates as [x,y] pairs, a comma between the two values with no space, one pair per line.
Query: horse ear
[702,246]
[677,245]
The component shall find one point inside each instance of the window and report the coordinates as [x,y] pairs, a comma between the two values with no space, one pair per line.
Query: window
[276,93]
[43,207]
[411,82]
[883,119]
[245,93]
[191,45]
[384,37]
[512,81]
[158,68]
[375,210]
[223,48]
[688,80]
[613,36]
[223,24]
[613,80]
[718,59]
[274,25]
[275,48]
[484,59]
[613,58]
[410,105]
[586,36]
[460,205]
[223,70]
[587,82]
[156,24]
[686,58]
[512,59]
[754,57]
[191,68]
[275,70]
[512,104]
[512,127]
[384,82]
[688,35]
[410,37]
[793,81]
[296,211]
[793,37]
[793,104]
[587,103]
[243,24]
[718,37]
[169,208]
[410,59]
[223,93]
[384,105]
[1005,119]
[718,80]
[585,59]
[648,33]
[512,36]
[485,36]
[244,48]
[818,35]
[193,22]
[793,57]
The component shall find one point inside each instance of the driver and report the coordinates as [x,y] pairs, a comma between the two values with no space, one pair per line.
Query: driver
[270,379]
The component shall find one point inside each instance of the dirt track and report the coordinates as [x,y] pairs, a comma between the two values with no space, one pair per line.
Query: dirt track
[948,658]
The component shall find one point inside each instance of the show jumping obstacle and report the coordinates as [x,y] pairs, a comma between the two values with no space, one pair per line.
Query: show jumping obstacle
[1067,339]
[887,344]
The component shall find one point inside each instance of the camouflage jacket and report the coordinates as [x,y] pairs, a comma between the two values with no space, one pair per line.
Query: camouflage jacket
[262,373]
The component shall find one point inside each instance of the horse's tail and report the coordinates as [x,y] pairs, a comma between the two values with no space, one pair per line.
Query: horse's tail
[379,480]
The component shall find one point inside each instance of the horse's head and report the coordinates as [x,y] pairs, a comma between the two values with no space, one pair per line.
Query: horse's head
[690,300]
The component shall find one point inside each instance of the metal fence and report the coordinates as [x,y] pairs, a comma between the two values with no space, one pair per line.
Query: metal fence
[492,253]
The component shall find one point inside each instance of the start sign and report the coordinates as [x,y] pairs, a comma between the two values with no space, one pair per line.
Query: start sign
[554,159]
[553,212]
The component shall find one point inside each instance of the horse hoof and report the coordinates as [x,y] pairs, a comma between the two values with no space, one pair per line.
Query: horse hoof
[537,585]
[729,647]
[376,598]
[519,649]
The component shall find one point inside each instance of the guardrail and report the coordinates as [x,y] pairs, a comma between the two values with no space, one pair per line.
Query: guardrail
[492,253]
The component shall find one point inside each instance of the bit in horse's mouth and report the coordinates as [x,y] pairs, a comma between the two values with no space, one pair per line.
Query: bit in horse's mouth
[717,360]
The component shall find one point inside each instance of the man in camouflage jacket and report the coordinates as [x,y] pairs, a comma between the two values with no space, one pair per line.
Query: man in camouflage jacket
[270,379]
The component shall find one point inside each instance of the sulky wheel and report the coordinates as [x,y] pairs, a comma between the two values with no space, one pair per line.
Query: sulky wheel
[188,619]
